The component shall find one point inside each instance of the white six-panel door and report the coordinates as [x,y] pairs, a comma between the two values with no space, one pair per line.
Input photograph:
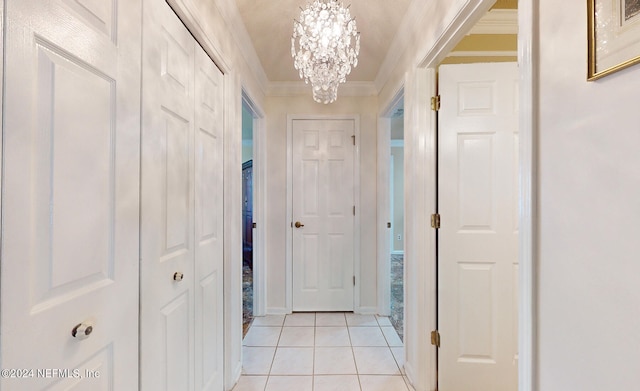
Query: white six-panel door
[209,305]
[181,266]
[478,254]
[323,204]
[71,194]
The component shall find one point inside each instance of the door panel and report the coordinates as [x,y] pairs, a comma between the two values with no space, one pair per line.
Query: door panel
[70,224]
[323,199]
[167,305]
[209,224]
[182,153]
[478,240]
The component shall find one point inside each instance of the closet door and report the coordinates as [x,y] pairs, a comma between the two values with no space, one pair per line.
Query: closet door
[167,217]
[71,195]
[208,231]
[182,207]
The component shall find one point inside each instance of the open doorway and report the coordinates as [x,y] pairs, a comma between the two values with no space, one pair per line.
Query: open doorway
[396,209]
[247,218]
[391,206]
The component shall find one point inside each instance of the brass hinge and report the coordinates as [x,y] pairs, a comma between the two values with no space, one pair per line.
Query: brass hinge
[354,280]
[435,220]
[435,103]
[435,338]
[354,139]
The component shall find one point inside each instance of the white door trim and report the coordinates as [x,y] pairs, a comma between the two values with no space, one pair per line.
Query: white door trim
[416,102]
[528,240]
[356,226]
[259,205]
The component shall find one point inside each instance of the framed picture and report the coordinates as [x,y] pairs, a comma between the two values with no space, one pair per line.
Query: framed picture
[614,36]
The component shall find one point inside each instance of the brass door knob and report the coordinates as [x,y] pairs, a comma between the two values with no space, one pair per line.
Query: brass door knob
[298,224]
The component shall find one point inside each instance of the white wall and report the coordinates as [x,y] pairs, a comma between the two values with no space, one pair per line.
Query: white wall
[589,192]
[277,109]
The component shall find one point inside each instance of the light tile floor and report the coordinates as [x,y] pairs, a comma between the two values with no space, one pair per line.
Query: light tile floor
[322,352]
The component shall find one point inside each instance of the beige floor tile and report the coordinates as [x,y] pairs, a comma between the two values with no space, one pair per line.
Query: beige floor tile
[336,383]
[290,383]
[375,361]
[293,361]
[257,360]
[300,319]
[334,361]
[330,319]
[251,383]
[367,336]
[398,354]
[361,320]
[332,336]
[382,383]
[269,320]
[262,336]
[383,321]
[391,336]
[297,336]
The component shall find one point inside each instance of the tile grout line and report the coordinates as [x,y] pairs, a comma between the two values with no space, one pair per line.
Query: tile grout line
[353,353]
[273,359]
[313,361]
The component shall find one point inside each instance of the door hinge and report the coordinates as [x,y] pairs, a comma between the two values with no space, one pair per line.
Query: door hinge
[353,138]
[435,103]
[253,225]
[354,210]
[389,224]
[435,220]
[435,338]
[354,280]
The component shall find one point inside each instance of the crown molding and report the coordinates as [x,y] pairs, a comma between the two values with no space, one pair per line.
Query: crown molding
[299,88]
[479,53]
[497,21]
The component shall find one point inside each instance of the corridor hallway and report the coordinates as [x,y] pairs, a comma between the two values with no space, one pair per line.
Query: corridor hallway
[322,352]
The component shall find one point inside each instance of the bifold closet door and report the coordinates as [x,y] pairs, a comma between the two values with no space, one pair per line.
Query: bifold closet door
[181,266]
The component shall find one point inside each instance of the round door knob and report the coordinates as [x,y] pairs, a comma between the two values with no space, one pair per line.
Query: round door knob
[177,276]
[298,224]
[82,331]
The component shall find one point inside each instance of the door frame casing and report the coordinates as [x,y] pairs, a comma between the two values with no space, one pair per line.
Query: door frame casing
[356,195]
[420,120]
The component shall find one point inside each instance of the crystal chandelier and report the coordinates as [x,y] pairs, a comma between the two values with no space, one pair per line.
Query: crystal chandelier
[325,45]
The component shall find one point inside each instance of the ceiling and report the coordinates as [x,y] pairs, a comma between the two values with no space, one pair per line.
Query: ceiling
[270,24]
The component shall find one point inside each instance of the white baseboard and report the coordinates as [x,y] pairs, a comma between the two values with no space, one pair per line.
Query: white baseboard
[366,310]
[411,375]
[237,371]
[277,311]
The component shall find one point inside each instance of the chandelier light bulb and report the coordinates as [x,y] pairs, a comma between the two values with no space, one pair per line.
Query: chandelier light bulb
[325,45]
